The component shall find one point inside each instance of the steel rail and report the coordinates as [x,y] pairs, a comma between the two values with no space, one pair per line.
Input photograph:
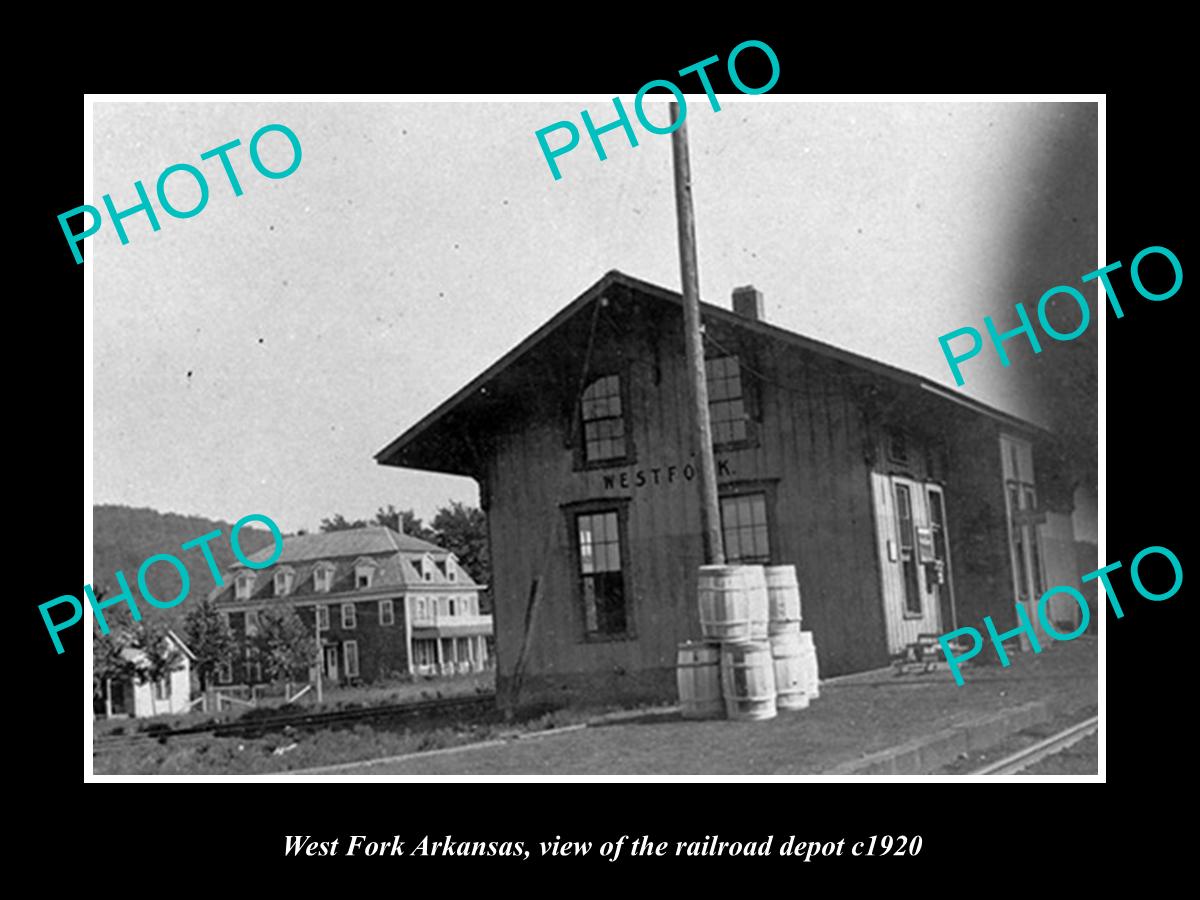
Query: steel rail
[1022,759]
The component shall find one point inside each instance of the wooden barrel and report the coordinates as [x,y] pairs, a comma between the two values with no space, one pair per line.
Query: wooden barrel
[812,678]
[760,605]
[792,671]
[783,597]
[698,674]
[748,680]
[724,601]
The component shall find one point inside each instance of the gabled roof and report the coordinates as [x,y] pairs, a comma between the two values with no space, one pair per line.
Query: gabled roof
[136,654]
[394,555]
[187,651]
[328,545]
[478,387]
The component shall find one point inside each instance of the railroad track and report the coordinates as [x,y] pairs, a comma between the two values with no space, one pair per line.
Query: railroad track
[1022,759]
[305,720]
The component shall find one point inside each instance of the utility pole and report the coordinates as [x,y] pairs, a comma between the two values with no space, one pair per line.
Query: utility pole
[710,516]
[320,652]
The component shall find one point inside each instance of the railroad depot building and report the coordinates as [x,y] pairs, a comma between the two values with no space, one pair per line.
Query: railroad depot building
[387,604]
[905,507]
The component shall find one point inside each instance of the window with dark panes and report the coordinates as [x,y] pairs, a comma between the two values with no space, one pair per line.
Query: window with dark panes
[602,580]
[937,524]
[1018,539]
[726,404]
[744,529]
[350,655]
[603,421]
[912,585]
[1035,556]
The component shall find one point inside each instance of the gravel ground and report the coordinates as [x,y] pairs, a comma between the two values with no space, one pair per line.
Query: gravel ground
[1064,718]
[852,717]
[1078,759]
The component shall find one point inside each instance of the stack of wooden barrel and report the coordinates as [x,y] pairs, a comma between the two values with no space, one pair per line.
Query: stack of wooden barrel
[754,659]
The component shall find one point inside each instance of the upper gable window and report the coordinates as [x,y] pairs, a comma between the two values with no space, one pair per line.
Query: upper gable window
[603,420]
[451,566]
[323,577]
[726,403]
[284,579]
[427,567]
[244,585]
[364,574]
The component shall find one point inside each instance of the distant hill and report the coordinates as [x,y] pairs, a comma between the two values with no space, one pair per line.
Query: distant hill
[123,537]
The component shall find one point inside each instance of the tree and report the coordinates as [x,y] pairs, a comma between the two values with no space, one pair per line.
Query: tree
[338,522]
[462,530]
[403,520]
[107,660]
[282,643]
[158,656]
[209,639]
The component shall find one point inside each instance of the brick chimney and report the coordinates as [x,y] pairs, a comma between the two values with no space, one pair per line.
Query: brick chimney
[748,302]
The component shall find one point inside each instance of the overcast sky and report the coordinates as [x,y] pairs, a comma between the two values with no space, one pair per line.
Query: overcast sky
[255,357]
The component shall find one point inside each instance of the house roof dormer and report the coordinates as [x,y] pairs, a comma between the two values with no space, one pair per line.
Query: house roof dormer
[244,584]
[365,570]
[333,564]
[285,580]
[323,576]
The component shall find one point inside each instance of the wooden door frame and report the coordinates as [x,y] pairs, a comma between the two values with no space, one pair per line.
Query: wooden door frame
[949,585]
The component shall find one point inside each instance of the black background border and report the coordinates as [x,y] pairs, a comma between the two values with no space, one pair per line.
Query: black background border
[1148,441]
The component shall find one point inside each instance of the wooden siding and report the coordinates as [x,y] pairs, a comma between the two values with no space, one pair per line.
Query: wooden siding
[820,429]
[1058,553]
[979,539]
[809,457]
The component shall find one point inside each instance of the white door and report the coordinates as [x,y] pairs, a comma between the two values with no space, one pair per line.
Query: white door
[908,558]
[331,663]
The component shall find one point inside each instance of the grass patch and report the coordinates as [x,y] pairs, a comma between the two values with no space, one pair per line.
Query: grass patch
[387,693]
[290,748]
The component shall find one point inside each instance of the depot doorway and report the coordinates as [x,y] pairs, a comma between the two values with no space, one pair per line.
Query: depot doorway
[914,559]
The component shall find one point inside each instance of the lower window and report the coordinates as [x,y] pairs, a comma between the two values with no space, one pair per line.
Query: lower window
[350,655]
[908,559]
[744,529]
[601,573]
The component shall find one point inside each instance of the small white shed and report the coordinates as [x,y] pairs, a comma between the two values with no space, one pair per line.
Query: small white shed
[129,697]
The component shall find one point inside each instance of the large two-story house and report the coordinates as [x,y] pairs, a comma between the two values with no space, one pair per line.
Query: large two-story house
[384,603]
